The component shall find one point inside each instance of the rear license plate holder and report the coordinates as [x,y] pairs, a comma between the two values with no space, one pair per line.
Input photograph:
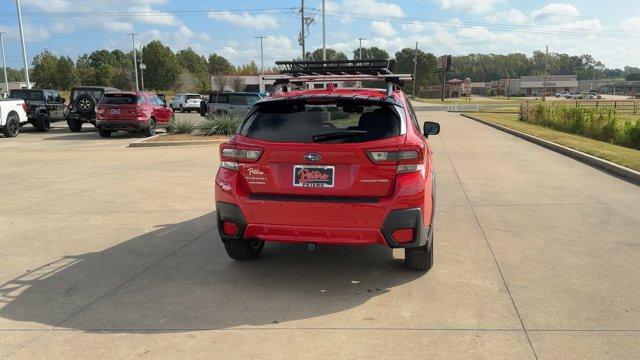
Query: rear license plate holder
[314,176]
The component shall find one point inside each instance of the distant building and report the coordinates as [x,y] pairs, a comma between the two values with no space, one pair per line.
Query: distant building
[534,85]
[620,87]
[455,88]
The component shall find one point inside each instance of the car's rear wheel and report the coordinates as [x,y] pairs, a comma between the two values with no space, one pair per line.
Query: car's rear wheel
[12,127]
[104,133]
[75,125]
[420,258]
[43,122]
[151,128]
[244,250]
[181,109]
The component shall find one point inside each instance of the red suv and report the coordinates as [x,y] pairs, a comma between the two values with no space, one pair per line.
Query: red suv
[132,112]
[340,166]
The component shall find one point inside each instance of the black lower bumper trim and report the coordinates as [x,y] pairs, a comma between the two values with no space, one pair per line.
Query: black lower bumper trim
[231,213]
[406,219]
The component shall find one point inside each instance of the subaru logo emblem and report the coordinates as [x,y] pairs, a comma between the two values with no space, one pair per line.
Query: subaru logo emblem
[312,157]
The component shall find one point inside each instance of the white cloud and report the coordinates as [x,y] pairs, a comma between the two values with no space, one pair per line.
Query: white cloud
[365,7]
[259,22]
[414,27]
[147,15]
[512,16]
[589,24]
[631,24]
[383,28]
[478,33]
[555,11]
[469,5]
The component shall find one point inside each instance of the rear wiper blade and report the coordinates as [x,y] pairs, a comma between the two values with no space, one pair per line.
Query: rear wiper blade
[337,135]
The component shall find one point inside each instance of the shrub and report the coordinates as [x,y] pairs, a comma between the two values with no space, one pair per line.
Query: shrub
[219,124]
[597,123]
[182,126]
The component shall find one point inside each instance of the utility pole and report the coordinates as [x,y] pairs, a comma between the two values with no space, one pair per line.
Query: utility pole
[415,72]
[302,39]
[360,39]
[143,67]
[4,64]
[135,58]
[324,32]
[546,70]
[261,54]
[24,47]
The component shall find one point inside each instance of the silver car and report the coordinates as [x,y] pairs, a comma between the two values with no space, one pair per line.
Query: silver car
[235,103]
[186,102]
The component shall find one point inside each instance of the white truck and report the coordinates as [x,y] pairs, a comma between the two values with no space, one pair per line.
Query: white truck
[13,114]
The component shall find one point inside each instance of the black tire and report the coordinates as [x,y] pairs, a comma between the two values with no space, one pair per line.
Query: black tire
[12,127]
[104,133]
[85,104]
[419,259]
[181,109]
[43,122]
[151,128]
[244,250]
[75,125]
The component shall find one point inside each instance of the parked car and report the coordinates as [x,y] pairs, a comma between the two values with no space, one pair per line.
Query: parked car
[186,102]
[132,112]
[235,103]
[340,166]
[562,94]
[574,95]
[82,105]
[43,106]
[13,114]
[591,94]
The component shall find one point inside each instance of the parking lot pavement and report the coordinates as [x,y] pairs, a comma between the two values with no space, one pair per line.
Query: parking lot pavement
[112,252]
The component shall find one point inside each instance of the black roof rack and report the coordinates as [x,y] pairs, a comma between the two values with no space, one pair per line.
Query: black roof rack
[337,67]
[299,72]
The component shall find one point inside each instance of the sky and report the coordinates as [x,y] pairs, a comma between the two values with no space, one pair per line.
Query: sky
[608,30]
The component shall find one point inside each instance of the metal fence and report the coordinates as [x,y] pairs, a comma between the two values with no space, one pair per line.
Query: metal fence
[621,107]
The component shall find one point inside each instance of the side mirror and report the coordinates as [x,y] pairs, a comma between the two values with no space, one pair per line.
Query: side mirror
[431,128]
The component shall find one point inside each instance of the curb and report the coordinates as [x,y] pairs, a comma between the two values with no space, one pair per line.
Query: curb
[148,142]
[601,164]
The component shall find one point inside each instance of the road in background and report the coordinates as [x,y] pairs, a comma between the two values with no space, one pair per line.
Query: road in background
[110,251]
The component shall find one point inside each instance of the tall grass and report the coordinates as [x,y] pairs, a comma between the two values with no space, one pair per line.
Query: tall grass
[600,124]
[219,124]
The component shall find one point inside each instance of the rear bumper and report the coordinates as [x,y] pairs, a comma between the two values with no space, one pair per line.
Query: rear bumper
[122,125]
[85,118]
[326,222]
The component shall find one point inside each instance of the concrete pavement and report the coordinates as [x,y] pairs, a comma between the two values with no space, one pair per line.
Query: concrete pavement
[111,252]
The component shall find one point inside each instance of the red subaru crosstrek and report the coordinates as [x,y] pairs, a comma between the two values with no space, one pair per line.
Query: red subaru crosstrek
[133,112]
[340,166]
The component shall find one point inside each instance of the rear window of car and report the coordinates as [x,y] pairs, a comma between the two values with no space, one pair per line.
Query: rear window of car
[191,97]
[331,121]
[94,93]
[26,95]
[120,99]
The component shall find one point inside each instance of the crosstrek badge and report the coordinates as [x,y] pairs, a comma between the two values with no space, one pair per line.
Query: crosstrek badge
[313,176]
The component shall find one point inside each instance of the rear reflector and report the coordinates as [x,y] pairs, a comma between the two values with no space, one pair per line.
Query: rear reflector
[229,228]
[403,236]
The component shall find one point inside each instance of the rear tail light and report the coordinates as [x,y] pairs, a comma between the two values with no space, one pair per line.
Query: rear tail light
[25,107]
[406,160]
[231,155]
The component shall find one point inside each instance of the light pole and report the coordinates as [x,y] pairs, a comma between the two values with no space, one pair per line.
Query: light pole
[304,55]
[546,70]
[261,54]
[143,67]
[415,71]
[4,64]
[324,32]
[24,47]
[135,59]
[360,39]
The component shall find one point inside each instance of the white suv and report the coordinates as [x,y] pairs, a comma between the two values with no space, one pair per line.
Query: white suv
[186,102]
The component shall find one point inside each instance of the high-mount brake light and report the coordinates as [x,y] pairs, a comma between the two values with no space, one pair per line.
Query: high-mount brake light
[231,156]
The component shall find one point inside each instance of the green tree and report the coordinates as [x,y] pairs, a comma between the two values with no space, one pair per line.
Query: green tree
[44,70]
[332,54]
[426,69]
[66,74]
[198,66]
[163,68]
[219,65]
[15,74]
[371,53]
[247,69]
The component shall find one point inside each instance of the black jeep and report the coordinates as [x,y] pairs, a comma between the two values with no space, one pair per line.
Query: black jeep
[82,105]
[43,106]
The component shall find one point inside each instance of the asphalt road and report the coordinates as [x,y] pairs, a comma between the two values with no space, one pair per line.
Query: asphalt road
[111,252]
